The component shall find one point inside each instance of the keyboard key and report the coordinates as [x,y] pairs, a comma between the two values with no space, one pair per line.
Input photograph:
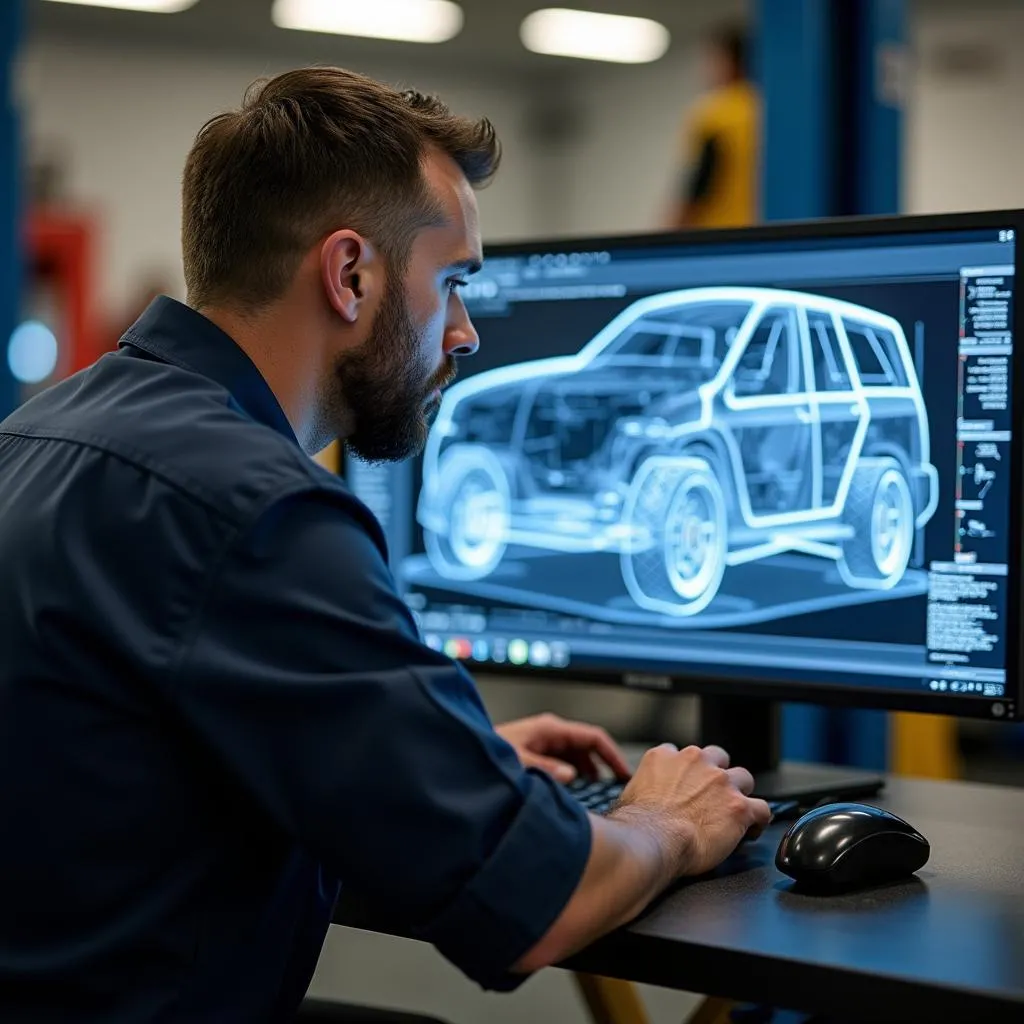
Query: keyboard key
[600,796]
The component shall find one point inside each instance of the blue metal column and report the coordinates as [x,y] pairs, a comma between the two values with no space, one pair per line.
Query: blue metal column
[793,63]
[881,35]
[831,78]
[880,85]
[10,198]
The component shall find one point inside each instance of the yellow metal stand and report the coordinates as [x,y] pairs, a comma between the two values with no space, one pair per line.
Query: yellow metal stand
[611,1001]
[924,746]
[330,457]
[712,1011]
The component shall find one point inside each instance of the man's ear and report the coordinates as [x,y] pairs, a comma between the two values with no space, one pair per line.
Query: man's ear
[351,272]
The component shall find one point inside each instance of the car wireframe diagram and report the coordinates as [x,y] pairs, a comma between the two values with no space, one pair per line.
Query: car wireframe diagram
[699,431]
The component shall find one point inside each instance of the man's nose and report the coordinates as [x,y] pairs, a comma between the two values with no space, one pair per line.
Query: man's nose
[461,339]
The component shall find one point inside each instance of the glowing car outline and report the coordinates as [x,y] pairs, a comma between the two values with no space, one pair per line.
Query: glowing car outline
[668,487]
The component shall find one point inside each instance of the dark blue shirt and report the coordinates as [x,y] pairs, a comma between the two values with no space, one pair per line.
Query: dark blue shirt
[215,711]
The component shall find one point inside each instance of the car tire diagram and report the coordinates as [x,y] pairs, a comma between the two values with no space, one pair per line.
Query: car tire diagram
[880,511]
[473,495]
[676,512]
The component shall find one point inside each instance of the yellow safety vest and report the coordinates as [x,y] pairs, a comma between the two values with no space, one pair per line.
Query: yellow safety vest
[732,116]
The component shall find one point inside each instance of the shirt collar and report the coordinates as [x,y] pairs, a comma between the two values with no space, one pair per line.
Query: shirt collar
[176,333]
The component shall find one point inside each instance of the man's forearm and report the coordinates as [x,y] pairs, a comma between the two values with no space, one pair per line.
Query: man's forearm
[630,863]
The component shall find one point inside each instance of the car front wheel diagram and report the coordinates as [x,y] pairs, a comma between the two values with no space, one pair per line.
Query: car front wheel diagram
[473,498]
[675,556]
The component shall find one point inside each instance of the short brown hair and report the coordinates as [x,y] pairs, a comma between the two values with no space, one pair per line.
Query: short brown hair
[309,151]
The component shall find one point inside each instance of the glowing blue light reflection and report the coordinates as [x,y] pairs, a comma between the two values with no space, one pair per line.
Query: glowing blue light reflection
[32,352]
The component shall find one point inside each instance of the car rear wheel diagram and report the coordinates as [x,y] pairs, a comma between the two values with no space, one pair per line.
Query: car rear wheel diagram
[880,514]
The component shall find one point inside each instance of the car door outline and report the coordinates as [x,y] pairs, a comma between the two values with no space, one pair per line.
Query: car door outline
[840,410]
[779,424]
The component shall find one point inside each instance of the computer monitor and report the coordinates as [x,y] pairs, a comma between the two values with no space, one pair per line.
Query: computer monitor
[781,463]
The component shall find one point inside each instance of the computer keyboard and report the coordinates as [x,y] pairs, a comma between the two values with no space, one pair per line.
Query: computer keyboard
[600,795]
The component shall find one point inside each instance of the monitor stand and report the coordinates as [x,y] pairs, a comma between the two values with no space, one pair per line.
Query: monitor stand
[749,728]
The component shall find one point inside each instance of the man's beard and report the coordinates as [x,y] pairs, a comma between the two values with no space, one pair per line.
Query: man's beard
[382,388]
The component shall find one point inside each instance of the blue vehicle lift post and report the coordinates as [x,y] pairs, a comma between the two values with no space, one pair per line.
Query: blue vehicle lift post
[831,76]
[10,200]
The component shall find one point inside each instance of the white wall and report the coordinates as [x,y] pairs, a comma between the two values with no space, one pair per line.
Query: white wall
[965,131]
[620,166]
[124,122]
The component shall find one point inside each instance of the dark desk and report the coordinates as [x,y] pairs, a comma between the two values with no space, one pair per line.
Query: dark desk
[946,946]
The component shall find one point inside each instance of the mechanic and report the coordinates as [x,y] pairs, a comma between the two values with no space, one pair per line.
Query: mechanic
[215,710]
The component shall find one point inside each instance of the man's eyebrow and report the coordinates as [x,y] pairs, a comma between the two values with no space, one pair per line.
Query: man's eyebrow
[470,265]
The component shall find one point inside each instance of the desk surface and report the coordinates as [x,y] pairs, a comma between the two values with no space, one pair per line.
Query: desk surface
[947,945]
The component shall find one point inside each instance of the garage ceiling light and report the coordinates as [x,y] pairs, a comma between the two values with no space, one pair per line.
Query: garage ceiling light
[611,37]
[409,21]
[149,6]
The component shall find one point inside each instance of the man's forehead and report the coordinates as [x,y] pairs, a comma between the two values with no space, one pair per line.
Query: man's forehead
[458,229]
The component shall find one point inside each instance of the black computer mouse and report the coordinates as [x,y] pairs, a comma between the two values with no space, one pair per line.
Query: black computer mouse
[844,846]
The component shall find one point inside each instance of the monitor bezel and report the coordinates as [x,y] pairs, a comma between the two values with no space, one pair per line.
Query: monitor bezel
[1008,708]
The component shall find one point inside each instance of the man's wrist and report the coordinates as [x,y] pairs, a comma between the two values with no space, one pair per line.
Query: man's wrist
[670,845]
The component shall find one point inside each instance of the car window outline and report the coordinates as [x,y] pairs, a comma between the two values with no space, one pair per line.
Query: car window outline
[600,351]
[838,367]
[710,357]
[892,353]
[642,324]
[704,358]
[869,380]
[793,391]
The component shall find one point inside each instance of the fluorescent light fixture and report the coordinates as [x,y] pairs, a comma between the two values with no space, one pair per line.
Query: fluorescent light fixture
[611,37]
[409,21]
[149,6]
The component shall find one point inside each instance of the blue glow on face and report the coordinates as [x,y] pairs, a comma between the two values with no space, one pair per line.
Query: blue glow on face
[32,352]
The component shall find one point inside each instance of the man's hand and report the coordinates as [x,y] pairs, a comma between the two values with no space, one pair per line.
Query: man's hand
[700,807]
[563,749]
[683,813]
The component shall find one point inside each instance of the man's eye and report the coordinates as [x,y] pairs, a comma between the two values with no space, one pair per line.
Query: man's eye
[454,283]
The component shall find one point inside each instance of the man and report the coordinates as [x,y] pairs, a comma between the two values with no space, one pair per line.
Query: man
[215,711]
[721,141]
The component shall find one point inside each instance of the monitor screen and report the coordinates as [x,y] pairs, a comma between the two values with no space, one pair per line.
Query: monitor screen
[781,461]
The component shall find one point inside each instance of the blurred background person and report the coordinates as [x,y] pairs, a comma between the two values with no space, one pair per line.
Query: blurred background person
[721,144]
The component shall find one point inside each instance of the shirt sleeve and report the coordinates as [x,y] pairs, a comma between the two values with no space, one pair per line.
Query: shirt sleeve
[701,176]
[305,675]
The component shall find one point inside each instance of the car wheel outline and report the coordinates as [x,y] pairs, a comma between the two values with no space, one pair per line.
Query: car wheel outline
[676,555]
[472,496]
[880,510]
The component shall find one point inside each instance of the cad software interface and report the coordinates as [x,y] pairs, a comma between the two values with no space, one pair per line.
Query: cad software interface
[787,461]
